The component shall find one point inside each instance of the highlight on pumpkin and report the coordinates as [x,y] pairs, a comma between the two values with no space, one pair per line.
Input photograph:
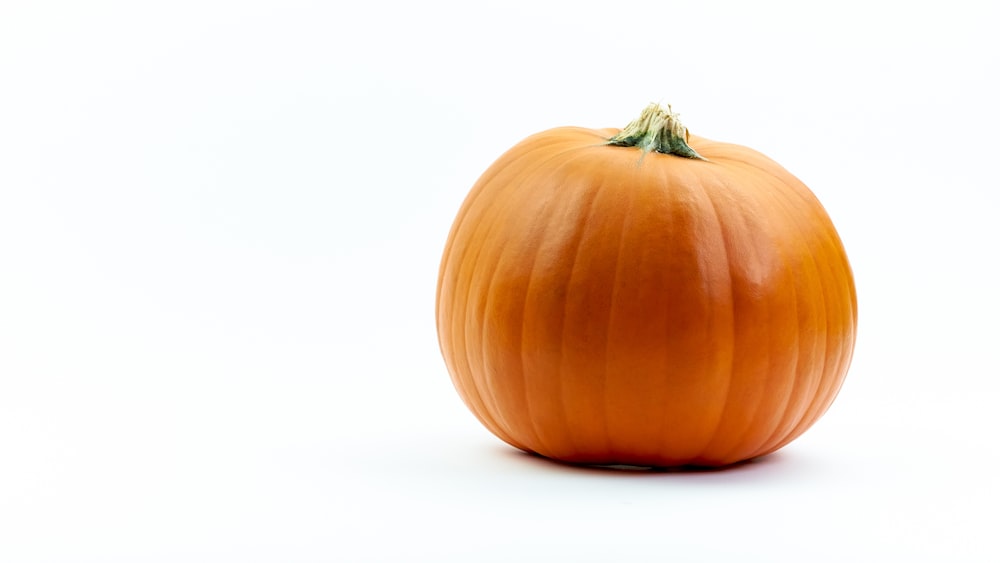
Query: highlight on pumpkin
[673,314]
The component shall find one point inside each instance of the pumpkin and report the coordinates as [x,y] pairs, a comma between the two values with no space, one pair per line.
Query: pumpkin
[644,297]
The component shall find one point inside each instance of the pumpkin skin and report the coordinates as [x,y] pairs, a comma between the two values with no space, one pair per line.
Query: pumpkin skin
[600,304]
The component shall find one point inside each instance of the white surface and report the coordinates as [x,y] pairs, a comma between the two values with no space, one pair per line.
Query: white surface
[220,226]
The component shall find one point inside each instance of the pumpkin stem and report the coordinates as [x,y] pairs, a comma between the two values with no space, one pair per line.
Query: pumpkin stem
[656,130]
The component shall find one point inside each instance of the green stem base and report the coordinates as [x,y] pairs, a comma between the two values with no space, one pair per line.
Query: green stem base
[656,130]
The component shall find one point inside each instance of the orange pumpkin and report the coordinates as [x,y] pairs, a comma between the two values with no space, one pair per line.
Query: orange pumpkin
[644,297]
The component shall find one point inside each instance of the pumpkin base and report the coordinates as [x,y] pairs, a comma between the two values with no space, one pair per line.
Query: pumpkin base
[612,466]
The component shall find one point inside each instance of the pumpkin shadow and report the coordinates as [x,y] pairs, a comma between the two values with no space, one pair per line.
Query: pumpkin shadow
[753,465]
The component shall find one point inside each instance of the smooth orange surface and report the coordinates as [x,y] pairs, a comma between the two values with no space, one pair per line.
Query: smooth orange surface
[598,305]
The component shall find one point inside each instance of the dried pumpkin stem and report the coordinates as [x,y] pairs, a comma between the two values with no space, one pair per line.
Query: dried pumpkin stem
[656,130]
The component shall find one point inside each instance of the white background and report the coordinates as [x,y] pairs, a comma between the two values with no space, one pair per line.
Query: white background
[220,226]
